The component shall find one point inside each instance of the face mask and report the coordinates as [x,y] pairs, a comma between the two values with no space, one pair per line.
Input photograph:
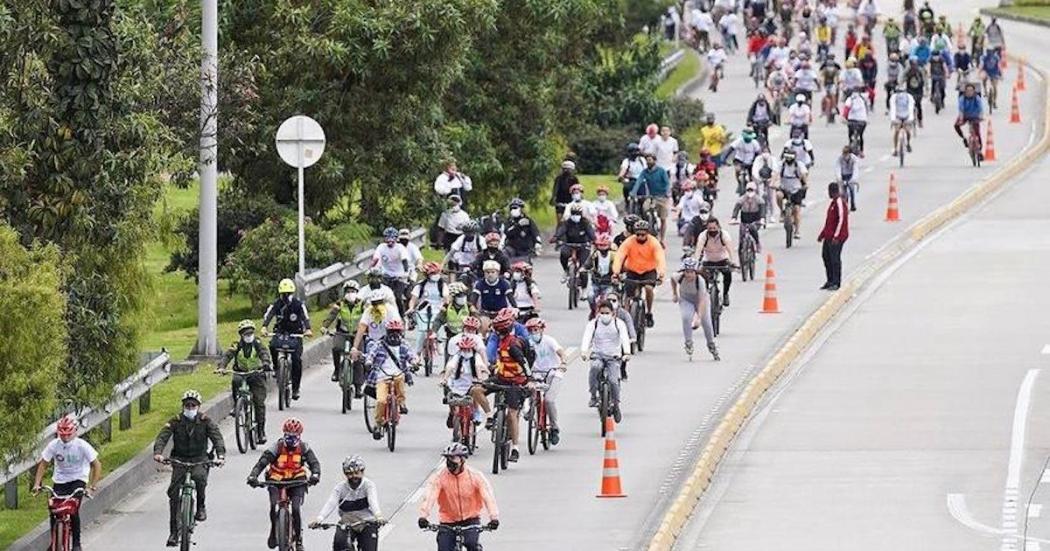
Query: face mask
[515,212]
[575,218]
[403,241]
[374,285]
[455,208]
[493,247]
[461,300]
[747,139]
[712,233]
[535,337]
[688,194]
[750,193]
[353,481]
[291,440]
[435,278]
[603,198]
[491,279]
[518,276]
[190,414]
[393,340]
[452,465]
[466,355]
[576,196]
[248,339]
[642,239]
[350,297]
[704,213]
[605,318]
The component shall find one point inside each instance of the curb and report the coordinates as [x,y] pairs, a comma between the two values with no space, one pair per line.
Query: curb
[684,503]
[695,82]
[1002,14]
[130,476]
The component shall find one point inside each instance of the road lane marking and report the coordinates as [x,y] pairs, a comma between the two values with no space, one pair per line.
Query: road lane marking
[1035,510]
[1013,469]
[413,498]
[960,512]
[1046,349]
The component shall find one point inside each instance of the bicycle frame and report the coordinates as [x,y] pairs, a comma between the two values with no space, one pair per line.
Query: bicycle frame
[63,509]
[284,505]
[463,410]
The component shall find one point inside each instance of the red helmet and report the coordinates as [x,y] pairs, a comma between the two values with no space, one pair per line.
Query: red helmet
[292,426]
[520,267]
[395,325]
[467,345]
[472,322]
[534,324]
[67,426]
[688,185]
[575,188]
[504,319]
[603,241]
[492,236]
[432,268]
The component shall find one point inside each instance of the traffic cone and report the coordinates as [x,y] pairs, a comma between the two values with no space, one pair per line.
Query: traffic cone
[1020,77]
[989,144]
[610,465]
[770,305]
[1002,59]
[1015,108]
[893,213]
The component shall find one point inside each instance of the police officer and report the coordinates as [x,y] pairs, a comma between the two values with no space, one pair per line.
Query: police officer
[190,433]
[346,314]
[248,354]
[521,235]
[290,318]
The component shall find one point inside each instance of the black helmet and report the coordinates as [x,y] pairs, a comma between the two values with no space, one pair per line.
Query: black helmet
[516,203]
[630,220]
[633,148]
[641,225]
[471,227]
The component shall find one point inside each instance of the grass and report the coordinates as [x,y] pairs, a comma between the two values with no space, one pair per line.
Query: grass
[1038,12]
[685,71]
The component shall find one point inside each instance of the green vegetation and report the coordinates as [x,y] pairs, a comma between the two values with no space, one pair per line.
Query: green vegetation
[686,70]
[1036,10]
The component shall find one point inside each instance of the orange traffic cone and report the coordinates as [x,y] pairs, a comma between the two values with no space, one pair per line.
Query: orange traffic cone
[1020,77]
[893,213]
[1002,59]
[770,305]
[989,144]
[610,466]
[1015,108]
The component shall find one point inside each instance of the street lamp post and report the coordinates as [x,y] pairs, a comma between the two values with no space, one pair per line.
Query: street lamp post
[207,267]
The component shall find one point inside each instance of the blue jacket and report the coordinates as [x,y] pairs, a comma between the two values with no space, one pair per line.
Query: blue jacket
[492,344]
[922,53]
[971,108]
[652,181]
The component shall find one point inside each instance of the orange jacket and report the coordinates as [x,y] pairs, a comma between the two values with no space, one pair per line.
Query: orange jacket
[459,496]
[640,257]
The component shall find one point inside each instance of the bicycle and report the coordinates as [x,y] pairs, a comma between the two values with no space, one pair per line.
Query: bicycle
[459,532]
[393,412]
[283,373]
[349,528]
[829,104]
[748,250]
[638,307]
[937,95]
[500,428]
[538,422]
[464,427]
[973,143]
[245,424]
[793,210]
[715,293]
[62,509]
[285,527]
[573,280]
[346,375]
[429,351]
[743,177]
[758,70]
[188,501]
[605,406]
[900,146]
[991,85]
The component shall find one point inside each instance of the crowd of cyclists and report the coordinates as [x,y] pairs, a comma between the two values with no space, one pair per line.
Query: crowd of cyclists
[477,313]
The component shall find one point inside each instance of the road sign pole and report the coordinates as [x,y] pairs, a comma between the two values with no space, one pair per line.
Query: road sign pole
[300,143]
[302,230]
[207,267]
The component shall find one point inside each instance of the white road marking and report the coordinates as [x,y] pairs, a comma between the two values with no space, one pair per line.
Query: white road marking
[960,512]
[1032,546]
[1034,510]
[1046,349]
[411,499]
[1013,470]
[885,157]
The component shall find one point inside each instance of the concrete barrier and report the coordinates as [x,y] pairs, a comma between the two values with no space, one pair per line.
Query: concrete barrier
[676,517]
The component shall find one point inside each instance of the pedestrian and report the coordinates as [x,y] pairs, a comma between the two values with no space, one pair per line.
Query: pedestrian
[561,194]
[453,182]
[833,236]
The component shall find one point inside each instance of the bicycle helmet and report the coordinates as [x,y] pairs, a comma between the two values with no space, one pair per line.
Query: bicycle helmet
[432,268]
[603,189]
[245,325]
[709,118]
[519,267]
[568,165]
[603,241]
[504,319]
[489,266]
[535,324]
[395,326]
[191,395]
[351,285]
[633,148]
[576,209]
[456,449]
[375,275]
[286,286]
[641,225]
[292,425]
[630,220]
[492,237]
[800,98]
[516,203]
[472,322]
[390,234]
[353,464]
[457,288]
[467,345]
[471,227]
[66,427]
[575,188]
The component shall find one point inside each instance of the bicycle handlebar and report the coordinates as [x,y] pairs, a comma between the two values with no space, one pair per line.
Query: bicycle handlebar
[282,483]
[242,373]
[344,525]
[76,493]
[457,529]
[206,462]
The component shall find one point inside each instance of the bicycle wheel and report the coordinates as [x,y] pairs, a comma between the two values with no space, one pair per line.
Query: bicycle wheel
[369,410]
[571,281]
[604,405]
[544,424]
[59,537]
[240,424]
[284,529]
[282,386]
[504,449]
[534,426]
[252,426]
[391,435]
[716,308]
[428,356]
[789,229]
[186,512]
[498,437]
[638,315]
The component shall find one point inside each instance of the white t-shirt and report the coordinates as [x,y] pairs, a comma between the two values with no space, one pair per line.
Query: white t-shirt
[414,255]
[72,459]
[731,23]
[546,354]
[665,152]
[645,143]
[392,259]
[702,21]
[716,57]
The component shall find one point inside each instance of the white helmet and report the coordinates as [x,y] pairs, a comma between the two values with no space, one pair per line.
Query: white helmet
[800,98]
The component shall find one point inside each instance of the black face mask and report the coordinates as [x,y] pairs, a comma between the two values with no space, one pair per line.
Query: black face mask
[393,340]
[403,241]
[353,481]
[453,465]
[374,284]
[712,233]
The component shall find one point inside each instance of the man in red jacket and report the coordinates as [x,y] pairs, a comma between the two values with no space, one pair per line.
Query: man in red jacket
[834,235]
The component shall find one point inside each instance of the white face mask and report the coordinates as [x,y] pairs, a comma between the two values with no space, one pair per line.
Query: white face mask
[603,198]
[576,196]
[351,297]
[605,318]
[575,218]
[688,194]
[461,300]
[248,339]
[750,193]
[515,212]
[454,208]
[518,276]
[435,278]
[190,414]
[491,279]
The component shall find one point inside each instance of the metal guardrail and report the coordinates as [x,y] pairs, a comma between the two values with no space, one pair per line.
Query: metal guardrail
[135,387]
[670,62]
[319,281]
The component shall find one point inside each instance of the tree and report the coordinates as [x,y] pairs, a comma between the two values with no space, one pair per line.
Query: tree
[33,338]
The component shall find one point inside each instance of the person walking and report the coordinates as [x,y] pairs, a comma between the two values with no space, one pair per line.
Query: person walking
[833,236]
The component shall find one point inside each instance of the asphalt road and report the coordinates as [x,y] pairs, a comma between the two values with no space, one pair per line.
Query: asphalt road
[921,422]
[668,402]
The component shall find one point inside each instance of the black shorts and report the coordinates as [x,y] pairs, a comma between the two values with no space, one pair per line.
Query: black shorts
[515,397]
[795,198]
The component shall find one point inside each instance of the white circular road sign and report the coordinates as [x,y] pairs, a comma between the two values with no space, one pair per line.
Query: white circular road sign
[300,141]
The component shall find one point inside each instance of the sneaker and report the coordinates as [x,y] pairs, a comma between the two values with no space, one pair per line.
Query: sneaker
[980,157]
[593,403]
[490,423]
[299,546]
[173,541]
[623,372]
[358,394]
[833,287]
[689,347]
[271,541]
[714,351]
[202,515]
[965,144]
[554,438]
[377,434]
[261,439]
[564,277]
[335,377]
[295,395]
[824,286]
[725,301]
[649,319]
[448,420]
[514,455]
[617,414]
[403,409]
[798,235]
[907,147]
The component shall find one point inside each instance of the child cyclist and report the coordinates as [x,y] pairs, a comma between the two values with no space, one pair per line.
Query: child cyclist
[464,373]
[548,368]
[525,290]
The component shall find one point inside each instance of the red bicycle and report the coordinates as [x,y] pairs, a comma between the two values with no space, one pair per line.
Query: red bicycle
[973,143]
[63,509]
[392,415]
[539,422]
[464,428]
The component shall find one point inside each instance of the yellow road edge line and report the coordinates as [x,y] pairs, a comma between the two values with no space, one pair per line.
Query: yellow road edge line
[682,507]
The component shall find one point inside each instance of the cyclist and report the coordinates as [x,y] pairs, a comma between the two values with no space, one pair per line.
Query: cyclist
[525,290]
[450,223]
[374,320]
[938,71]
[743,152]
[894,74]
[492,251]
[994,36]
[77,467]
[564,184]
[492,293]
[915,84]
[971,111]
[520,233]
[605,212]
[453,314]
[357,501]
[655,184]
[375,288]
[706,176]
[891,31]
[851,40]
[190,433]
[688,206]
[716,60]
[606,345]
[852,78]
[803,149]
[248,354]
[962,62]
[847,166]
[427,300]
[926,18]
[394,263]
[464,372]
[290,318]
[415,256]
[760,116]
[346,314]
[577,201]
[823,36]
[290,458]
[791,185]
[548,368]
[389,358]
[510,367]
[641,258]
[694,303]
[976,34]
[799,117]
[712,138]
[628,229]
[856,114]
[806,81]
[902,115]
[460,492]
[749,210]
[922,51]
[991,69]
[623,315]
[716,251]
[465,249]
[869,70]
[762,173]
[574,237]
[630,168]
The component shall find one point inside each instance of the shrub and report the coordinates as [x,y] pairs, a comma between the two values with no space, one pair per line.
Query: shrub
[600,150]
[683,113]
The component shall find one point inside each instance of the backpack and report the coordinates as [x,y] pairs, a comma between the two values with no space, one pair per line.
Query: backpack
[423,285]
[477,243]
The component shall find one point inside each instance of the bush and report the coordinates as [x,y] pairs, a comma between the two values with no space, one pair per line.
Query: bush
[33,338]
[600,150]
[684,112]
[238,212]
[270,253]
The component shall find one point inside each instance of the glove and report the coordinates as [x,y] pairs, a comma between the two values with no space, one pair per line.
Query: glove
[494,524]
[314,479]
[220,461]
[423,523]
[626,357]
[253,482]
[314,524]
